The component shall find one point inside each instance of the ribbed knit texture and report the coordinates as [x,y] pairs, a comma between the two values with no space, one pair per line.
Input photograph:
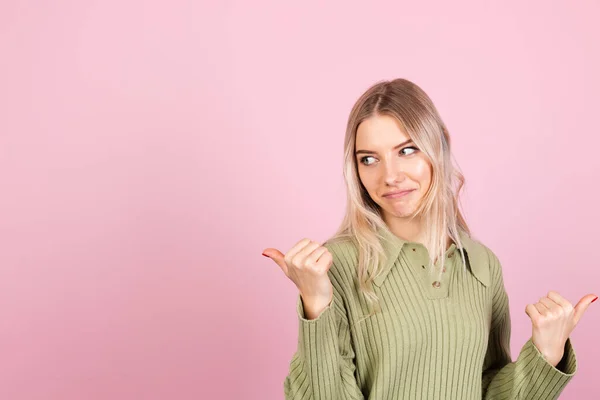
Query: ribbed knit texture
[444,342]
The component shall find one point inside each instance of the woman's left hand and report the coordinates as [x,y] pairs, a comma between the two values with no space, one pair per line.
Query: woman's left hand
[553,319]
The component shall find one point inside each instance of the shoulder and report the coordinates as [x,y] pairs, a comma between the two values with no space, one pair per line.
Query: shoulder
[341,248]
[483,259]
[344,252]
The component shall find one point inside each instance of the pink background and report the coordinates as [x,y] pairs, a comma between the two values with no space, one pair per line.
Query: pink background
[149,152]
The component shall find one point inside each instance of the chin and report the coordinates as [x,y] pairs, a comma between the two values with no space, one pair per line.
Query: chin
[403,211]
[403,214]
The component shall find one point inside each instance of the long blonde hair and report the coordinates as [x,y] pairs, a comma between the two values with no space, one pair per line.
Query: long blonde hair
[439,209]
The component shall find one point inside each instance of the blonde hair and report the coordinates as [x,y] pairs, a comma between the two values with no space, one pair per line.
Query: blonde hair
[439,208]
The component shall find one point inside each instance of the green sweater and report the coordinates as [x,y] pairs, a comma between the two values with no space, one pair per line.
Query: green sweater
[432,340]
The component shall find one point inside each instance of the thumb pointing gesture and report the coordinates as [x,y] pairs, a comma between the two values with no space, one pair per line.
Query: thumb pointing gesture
[553,319]
[307,264]
[278,257]
[582,305]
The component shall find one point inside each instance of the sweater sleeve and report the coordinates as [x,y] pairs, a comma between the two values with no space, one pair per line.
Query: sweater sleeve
[323,365]
[530,377]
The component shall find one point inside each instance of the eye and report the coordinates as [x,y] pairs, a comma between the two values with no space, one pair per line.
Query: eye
[362,160]
[411,149]
[414,149]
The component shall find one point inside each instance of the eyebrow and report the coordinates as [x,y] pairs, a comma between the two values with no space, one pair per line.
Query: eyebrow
[374,152]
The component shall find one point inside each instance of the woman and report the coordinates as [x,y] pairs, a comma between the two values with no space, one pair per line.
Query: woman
[402,303]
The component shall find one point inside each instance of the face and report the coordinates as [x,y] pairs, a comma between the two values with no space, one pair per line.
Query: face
[388,161]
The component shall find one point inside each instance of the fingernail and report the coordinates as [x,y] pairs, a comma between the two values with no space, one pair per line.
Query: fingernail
[268,256]
[595,299]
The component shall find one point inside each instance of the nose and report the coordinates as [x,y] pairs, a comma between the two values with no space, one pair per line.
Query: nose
[393,172]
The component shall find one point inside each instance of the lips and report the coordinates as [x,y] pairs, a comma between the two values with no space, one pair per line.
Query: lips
[398,193]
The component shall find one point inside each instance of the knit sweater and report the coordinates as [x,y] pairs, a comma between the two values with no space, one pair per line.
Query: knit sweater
[434,338]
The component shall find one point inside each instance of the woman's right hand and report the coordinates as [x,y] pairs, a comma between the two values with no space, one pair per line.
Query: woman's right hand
[306,264]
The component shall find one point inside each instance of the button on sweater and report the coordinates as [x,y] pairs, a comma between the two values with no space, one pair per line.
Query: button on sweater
[434,338]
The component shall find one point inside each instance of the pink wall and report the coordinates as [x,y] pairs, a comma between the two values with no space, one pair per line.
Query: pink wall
[150,152]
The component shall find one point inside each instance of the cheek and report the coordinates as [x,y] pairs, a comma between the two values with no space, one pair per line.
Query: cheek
[369,181]
[422,171]
[365,179]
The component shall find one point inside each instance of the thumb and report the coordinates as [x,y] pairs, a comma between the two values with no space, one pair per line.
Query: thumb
[583,304]
[276,256]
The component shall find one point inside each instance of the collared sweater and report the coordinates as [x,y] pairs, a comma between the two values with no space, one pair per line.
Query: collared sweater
[440,334]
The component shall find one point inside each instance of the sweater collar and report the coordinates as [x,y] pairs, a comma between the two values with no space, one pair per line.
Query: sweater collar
[477,258]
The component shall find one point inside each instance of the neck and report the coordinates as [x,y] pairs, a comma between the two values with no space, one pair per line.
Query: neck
[410,230]
[407,229]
